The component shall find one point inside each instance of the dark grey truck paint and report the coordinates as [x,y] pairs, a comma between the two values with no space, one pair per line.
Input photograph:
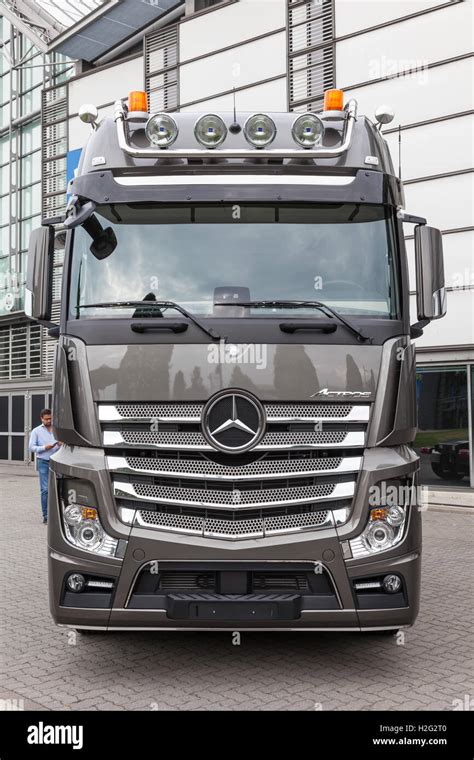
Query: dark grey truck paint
[114,367]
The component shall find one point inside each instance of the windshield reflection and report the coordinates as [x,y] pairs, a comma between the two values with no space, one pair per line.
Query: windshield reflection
[342,255]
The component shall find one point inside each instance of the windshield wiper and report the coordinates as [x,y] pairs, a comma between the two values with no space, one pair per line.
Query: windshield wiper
[153,304]
[281,304]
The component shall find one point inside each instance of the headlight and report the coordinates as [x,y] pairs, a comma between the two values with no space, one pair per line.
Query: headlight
[83,529]
[259,130]
[384,530]
[378,536]
[210,130]
[161,130]
[307,130]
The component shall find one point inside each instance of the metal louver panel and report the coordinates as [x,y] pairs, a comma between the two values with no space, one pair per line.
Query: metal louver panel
[54,145]
[20,351]
[48,345]
[48,353]
[161,55]
[311,53]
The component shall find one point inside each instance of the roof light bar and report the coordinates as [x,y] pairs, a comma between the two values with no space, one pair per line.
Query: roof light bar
[264,152]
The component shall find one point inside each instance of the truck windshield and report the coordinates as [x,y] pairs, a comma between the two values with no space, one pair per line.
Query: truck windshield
[204,256]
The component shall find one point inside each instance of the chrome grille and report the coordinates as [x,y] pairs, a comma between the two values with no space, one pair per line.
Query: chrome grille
[255,527]
[192,412]
[262,469]
[237,499]
[188,441]
[301,476]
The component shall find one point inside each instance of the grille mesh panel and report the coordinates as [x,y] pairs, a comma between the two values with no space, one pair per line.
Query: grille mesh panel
[194,410]
[147,411]
[234,528]
[308,410]
[204,467]
[307,438]
[263,496]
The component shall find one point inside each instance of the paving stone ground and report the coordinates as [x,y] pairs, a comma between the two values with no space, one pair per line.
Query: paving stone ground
[44,667]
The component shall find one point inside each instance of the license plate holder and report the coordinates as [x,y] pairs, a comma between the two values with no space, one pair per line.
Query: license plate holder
[230,608]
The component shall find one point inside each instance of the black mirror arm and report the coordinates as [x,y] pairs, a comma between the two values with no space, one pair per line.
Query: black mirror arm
[416,330]
[77,214]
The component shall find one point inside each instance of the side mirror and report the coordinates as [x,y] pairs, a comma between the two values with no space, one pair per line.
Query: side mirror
[431,293]
[39,276]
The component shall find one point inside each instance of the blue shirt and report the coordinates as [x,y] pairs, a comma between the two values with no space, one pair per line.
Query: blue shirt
[39,437]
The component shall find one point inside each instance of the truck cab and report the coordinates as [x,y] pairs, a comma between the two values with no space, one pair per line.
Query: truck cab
[234,383]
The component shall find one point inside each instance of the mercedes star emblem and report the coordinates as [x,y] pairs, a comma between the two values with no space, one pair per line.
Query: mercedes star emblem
[233,421]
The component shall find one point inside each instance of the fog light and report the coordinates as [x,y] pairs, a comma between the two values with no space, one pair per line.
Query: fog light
[379,535]
[76,582]
[161,130]
[392,584]
[210,130]
[259,130]
[307,130]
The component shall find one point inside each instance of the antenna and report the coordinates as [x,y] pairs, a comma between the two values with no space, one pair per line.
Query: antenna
[235,126]
[399,151]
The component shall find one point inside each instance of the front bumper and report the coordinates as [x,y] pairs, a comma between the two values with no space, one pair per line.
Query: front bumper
[325,549]
[340,610]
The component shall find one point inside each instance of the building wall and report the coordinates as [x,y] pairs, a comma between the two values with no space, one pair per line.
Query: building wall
[276,54]
[430,81]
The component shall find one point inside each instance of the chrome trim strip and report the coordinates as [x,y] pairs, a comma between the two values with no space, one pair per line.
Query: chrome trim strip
[301,628]
[355,439]
[234,474]
[127,490]
[230,179]
[110,413]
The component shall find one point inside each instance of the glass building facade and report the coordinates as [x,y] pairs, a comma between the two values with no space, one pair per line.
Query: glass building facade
[25,353]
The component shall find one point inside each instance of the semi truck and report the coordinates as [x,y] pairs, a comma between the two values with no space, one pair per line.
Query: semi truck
[234,382]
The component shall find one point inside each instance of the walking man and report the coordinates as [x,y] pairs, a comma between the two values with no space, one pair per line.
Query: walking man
[43,444]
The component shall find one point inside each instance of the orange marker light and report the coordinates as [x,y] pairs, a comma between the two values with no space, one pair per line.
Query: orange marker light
[138,101]
[379,513]
[333,100]
[88,513]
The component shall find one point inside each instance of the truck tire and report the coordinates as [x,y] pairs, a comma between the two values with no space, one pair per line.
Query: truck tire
[445,474]
[88,631]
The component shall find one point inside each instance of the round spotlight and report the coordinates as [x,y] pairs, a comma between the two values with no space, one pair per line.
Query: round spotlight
[259,130]
[210,130]
[392,584]
[379,535]
[307,130]
[161,130]
[76,582]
